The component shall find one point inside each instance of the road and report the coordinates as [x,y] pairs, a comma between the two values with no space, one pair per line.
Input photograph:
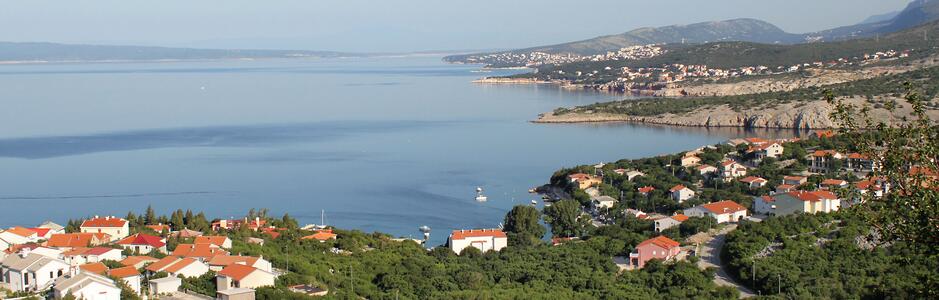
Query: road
[710,256]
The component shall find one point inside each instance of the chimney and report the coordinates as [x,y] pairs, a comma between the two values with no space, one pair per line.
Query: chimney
[96,216]
[24,252]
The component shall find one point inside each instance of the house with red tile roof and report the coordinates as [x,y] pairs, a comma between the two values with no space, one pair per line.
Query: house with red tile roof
[483,239]
[766,150]
[646,190]
[68,241]
[97,268]
[729,169]
[42,233]
[116,228]
[175,266]
[186,233]
[834,183]
[242,276]
[233,224]
[722,211]
[794,180]
[143,243]
[202,252]
[821,160]
[584,181]
[659,247]
[861,163]
[322,235]
[159,228]
[785,188]
[706,170]
[219,262]
[669,222]
[754,182]
[129,275]
[217,240]
[808,202]
[680,193]
[17,236]
[138,261]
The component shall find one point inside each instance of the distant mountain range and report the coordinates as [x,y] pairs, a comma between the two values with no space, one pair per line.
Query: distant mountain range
[10,51]
[745,30]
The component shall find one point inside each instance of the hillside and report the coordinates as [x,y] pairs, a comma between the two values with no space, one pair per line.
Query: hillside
[916,13]
[18,52]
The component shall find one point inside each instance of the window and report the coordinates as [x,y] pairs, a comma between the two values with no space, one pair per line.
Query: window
[60,273]
[51,275]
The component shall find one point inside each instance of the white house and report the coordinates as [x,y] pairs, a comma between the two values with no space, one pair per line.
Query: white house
[794,180]
[603,202]
[53,227]
[187,267]
[762,151]
[821,160]
[482,239]
[669,222]
[632,174]
[143,243]
[19,235]
[241,276]
[730,169]
[690,160]
[129,275]
[221,241]
[808,202]
[31,272]
[754,182]
[86,285]
[219,262]
[680,193]
[706,170]
[116,227]
[165,285]
[722,211]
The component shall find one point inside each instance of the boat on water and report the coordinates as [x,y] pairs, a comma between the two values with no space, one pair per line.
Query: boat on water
[479,195]
[534,202]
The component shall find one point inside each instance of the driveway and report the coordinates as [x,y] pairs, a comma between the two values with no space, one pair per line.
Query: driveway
[709,253]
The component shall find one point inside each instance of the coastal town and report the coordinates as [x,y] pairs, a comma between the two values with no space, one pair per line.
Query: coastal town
[688,200]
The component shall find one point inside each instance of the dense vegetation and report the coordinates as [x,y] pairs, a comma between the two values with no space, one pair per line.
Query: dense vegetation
[828,256]
[926,80]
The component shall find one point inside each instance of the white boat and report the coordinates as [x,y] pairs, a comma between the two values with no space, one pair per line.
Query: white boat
[479,195]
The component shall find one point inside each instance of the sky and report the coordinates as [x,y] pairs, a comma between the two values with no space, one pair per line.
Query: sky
[393,25]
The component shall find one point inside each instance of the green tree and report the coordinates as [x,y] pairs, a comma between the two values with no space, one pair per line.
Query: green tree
[523,226]
[566,218]
[150,215]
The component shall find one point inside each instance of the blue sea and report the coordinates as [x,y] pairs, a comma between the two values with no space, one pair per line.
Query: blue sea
[379,144]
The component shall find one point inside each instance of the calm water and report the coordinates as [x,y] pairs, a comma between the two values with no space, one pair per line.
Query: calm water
[379,144]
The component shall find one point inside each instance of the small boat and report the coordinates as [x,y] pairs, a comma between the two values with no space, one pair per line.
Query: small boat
[479,195]
[532,190]
[534,202]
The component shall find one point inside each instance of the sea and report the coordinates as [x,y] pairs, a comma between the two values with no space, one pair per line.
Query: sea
[374,144]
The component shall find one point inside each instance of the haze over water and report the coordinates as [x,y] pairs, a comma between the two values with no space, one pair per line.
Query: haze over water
[380,144]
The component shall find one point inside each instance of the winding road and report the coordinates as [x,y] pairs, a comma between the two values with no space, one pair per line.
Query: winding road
[710,256]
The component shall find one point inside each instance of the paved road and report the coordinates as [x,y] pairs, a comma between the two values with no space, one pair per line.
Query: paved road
[710,255]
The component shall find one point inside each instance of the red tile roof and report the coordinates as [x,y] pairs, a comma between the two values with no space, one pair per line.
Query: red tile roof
[813,196]
[680,217]
[211,239]
[99,251]
[97,268]
[463,234]
[21,231]
[197,250]
[179,265]
[160,227]
[124,272]
[794,178]
[225,260]
[237,272]
[72,240]
[322,235]
[646,189]
[142,239]
[162,264]
[41,231]
[723,207]
[824,153]
[104,222]
[661,241]
[752,179]
[838,182]
[677,188]
[134,260]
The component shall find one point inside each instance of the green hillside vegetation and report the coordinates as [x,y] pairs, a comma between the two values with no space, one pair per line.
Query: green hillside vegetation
[728,55]
[925,80]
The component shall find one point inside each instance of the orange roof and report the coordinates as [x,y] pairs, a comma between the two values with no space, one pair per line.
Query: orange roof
[752,179]
[677,188]
[785,186]
[322,235]
[834,182]
[824,133]
[755,140]
[813,196]
[134,260]
[794,178]
[99,250]
[225,260]
[727,163]
[75,251]
[661,241]
[197,250]
[462,234]
[104,222]
[723,207]
[179,265]
[237,272]
[702,167]
[188,233]
[646,189]
[72,240]
[824,153]
[162,264]
[680,217]
[21,231]
[211,239]
[142,239]
[160,227]
[97,268]
[124,272]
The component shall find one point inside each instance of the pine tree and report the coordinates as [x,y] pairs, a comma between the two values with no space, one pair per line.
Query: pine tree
[150,217]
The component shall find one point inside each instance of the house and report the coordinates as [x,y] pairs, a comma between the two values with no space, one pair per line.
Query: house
[235,224]
[242,276]
[706,170]
[129,275]
[584,181]
[690,161]
[235,294]
[603,202]
[630,175]
[680,193]
[186,233]
[138,261]
[873,186]
[766,150]
[730,169]
[794,180]
[824,134]
[482,239]
[321,235]
[646,190]
[87,286]
[31,272]
[219,262]
[655,248]
[834,184]
[722,211]
[46,251]
[68,241]
[53,227]
[669,222]
[308,290]
[165,285]
[115,227]
[822,160]
[97,268]
[254,240]
[19,235]
[635,213]
[808,202]
[143,243]
[202,252]
[79,256]
[785,188]
[754,182]
[221,241]
[160,228]
[860,163]
[186,267]
[42,233]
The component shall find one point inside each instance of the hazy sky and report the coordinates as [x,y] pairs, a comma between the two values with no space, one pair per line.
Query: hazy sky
[394,25]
